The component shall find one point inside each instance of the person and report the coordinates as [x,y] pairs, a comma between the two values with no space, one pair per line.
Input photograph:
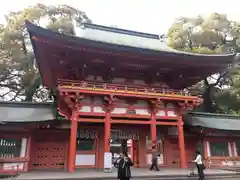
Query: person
[124,164]
[154,161]
[200,166]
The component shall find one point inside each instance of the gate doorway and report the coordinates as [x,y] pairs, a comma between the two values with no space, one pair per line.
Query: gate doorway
[125,142]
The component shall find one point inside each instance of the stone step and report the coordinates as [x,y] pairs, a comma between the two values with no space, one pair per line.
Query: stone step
[157,177]
[236,169]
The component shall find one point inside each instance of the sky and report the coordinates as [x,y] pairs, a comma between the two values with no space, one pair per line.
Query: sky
[150,16]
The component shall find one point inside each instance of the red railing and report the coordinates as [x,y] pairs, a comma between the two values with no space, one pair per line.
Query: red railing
[125,88]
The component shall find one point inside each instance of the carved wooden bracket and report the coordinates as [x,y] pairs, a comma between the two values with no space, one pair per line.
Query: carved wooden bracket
[78,99]
[109,102]
[155,105]
[188,105]
[73,101]
[198,102]
[185,106]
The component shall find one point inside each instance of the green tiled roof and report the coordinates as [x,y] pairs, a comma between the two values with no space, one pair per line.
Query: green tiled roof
[26,112]
[214,121]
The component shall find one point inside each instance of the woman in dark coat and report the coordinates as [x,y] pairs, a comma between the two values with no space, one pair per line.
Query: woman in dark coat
[123,164]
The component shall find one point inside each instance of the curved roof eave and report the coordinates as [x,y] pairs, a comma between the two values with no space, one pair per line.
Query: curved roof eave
[26,112]
[213,121]
[36,30]
[197,54]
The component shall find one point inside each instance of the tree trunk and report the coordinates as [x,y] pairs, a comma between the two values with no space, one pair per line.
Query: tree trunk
[32,89]
[208,100]
[29,94]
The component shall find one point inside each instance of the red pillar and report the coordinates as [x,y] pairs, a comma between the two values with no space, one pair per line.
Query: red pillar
[153,130]
[205,150]
[27,153]
[107,132]
[131,148]
[183,160]
[72,144]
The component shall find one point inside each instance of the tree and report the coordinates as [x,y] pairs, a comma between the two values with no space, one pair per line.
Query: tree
[210,35]
[19,77]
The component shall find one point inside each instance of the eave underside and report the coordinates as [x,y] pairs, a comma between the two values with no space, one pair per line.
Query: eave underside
[65,57]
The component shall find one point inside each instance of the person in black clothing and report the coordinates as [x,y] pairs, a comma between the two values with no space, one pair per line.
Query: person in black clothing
[154,161]
[123,164]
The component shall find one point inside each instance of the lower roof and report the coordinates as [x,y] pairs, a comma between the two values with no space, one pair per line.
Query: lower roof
[26,112]
[37,112]
[213,121]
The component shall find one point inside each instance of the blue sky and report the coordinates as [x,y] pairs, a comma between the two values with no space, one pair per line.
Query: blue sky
[152,16]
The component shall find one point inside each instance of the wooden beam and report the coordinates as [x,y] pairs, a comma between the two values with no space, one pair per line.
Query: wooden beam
[129,94]
[167,123]
[159,118]
[90,120]
[123,121]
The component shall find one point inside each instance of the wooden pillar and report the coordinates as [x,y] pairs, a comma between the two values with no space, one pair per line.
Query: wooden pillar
[233,148]
[183,161]
[131,149]
[72,144]
[153,130]
[27,153]
[136,150]
[107,132]
[205,152]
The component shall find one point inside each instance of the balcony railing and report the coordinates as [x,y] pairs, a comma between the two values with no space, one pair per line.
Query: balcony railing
[123,88]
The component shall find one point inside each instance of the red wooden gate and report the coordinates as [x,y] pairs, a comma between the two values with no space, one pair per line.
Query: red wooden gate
[48,153]
[171,152]
[48,156]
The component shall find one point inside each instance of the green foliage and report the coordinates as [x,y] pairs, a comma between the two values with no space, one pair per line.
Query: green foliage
[19,77]
[200,50]
[211,35]
[204,35]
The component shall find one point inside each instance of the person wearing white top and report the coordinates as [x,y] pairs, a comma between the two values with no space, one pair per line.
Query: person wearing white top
[200,165]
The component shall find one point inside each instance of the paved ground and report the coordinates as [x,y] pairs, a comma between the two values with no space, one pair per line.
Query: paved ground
[175,174]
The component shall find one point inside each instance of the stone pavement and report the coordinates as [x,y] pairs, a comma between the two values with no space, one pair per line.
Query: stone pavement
[136,173]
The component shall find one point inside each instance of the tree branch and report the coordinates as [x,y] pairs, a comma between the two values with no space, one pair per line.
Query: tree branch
[222,75]
[15,96]
[4,94]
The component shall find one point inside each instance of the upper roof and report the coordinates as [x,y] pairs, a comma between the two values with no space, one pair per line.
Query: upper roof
[213,121]
[124,48]
[117,36]
[132,39]
[26,112]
